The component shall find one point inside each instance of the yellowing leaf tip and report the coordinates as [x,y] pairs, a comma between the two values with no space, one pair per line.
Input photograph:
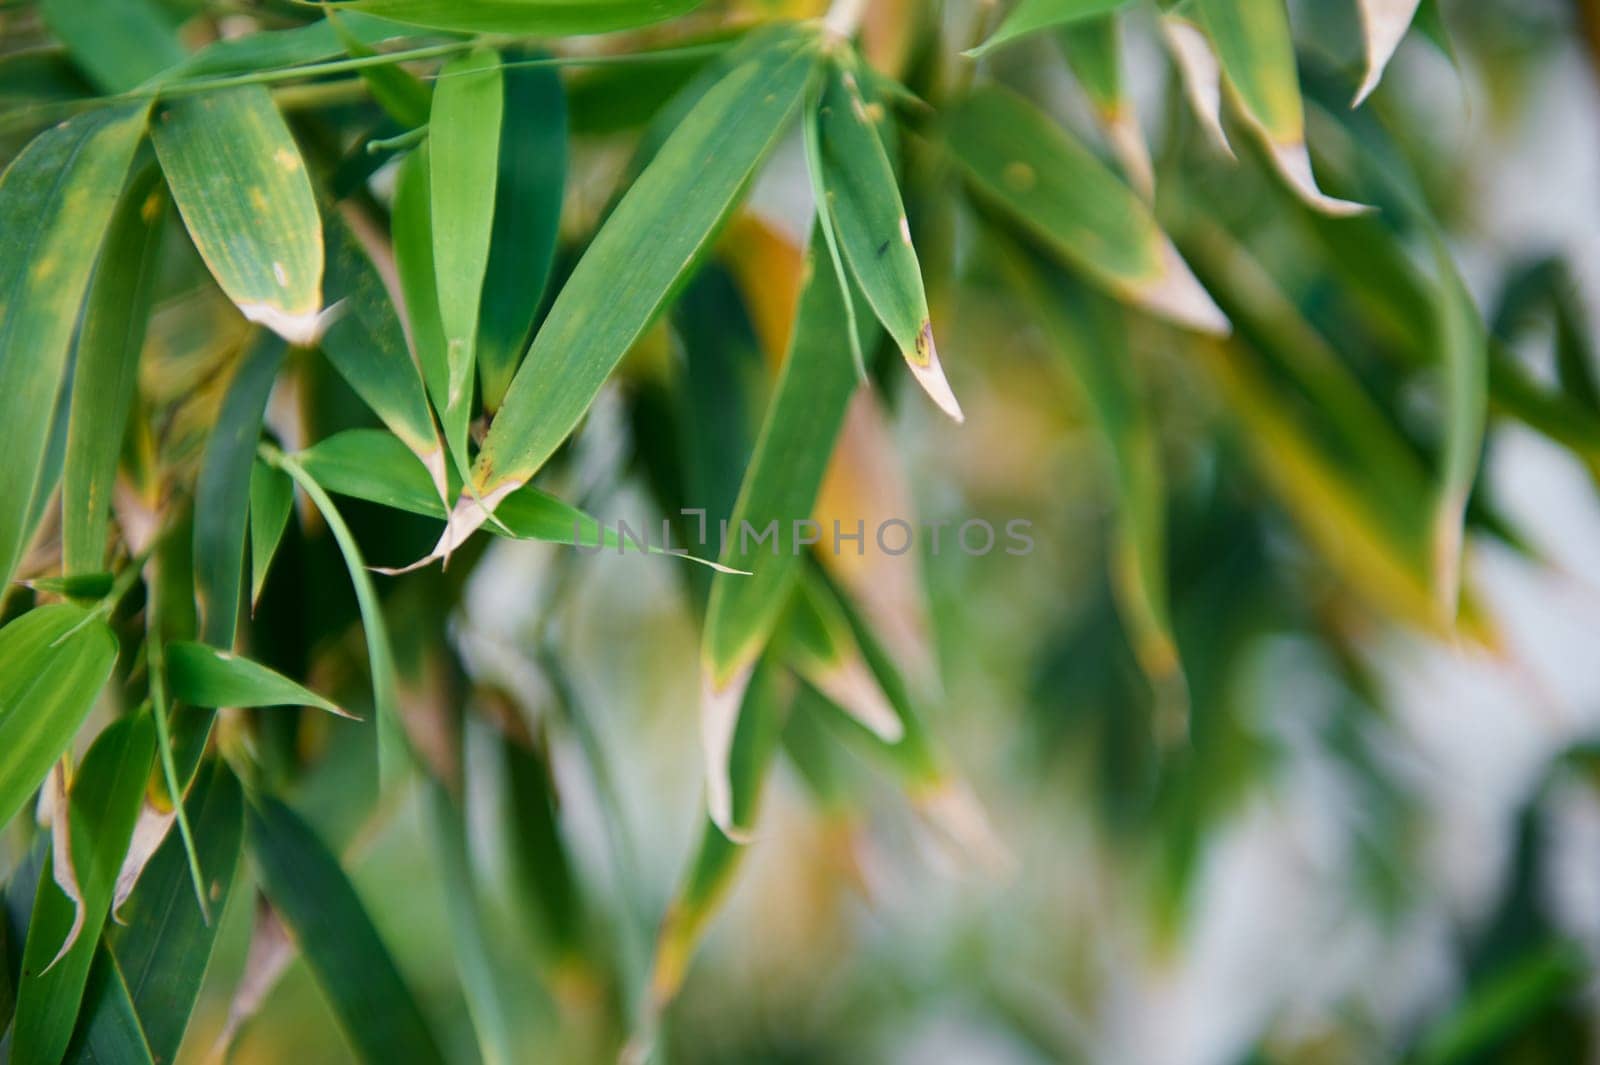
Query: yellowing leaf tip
[925,367]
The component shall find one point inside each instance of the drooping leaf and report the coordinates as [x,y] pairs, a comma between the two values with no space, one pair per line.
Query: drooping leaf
[201,675]
[1200,72]
[1256,53]
[817,642]
[367,345]
[53,662]
[1062,195]
[271,502]
[57,197]
[1093,49]
[336,937]
[164,945]
[1031,16]
[106,373]
[1383,27]
[780,485]
[864,205]
[463,165]
[222,492]
[527,214]
[642,253]
[104,802]
[543,17]
[237,177]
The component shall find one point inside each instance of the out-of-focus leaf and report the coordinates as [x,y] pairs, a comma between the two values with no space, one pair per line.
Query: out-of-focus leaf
[758,726]
[863,202]
[540,862]
[818,644]
[118,43]
[642,253]
[271,501]
[1533,983]
[337,939]
[164,946]
[1383,26]
[1094,51]
[57,197]
[237,177]
[1031,16]
[104,802]
[546,17]
[527,215]
[222,492]
[392,746]
[1463,353]
[81,586]
[1256,53]
[367,345]
[1061,194]
[53,662]
[396,90]
[469,934]
[106,373]
[1200,72]
[463,166]
[201,675]
[277,49]
[1093,344]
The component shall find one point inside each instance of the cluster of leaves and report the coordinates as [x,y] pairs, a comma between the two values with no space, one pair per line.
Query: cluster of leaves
[243,273]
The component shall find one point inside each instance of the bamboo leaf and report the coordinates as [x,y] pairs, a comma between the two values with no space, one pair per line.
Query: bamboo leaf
[201,675]
[104,802]
[222,492]
[237,177]
[1383,26]
[108,1031]
[53,662]
[271,501]
[278,49]
[396,90]
[1093,49]
[367,345]
[106,375]
[642,253]
[864,205]
[119,44]
[1031,16]
[336,938]
[1054,188]
[1200,72]
[463,158]
[780,485]
[165,944]
[1463,352]
[819,646]
[540,17]
[527,215]
[58,197]
[1256,53]
[411,227]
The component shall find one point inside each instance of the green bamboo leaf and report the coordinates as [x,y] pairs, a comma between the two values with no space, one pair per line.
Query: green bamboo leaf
[411,229]
[539,17]
[80,586]
[165,944]
[323,913]
[720,851]
[818,644]
[201,675]
[106,375]
[278,49]
[1534,980]
[53,662]
[1256,52]
[864,205]
[119,44]
[463,165]
[103,804]
[392,743]
[222,492]
[1093,49]
[108,1031]
[540,862]
[367,345]
[396,90]
[1199,71]
[643,252]
[1031,16]
[1059,192]
[527,215]
[781,484]
[237,177]
[57,197]
[1462,343]
[1383,26]
[271,501]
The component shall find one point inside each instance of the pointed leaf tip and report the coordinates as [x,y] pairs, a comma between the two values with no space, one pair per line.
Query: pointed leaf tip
[929,373]
[719,717]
